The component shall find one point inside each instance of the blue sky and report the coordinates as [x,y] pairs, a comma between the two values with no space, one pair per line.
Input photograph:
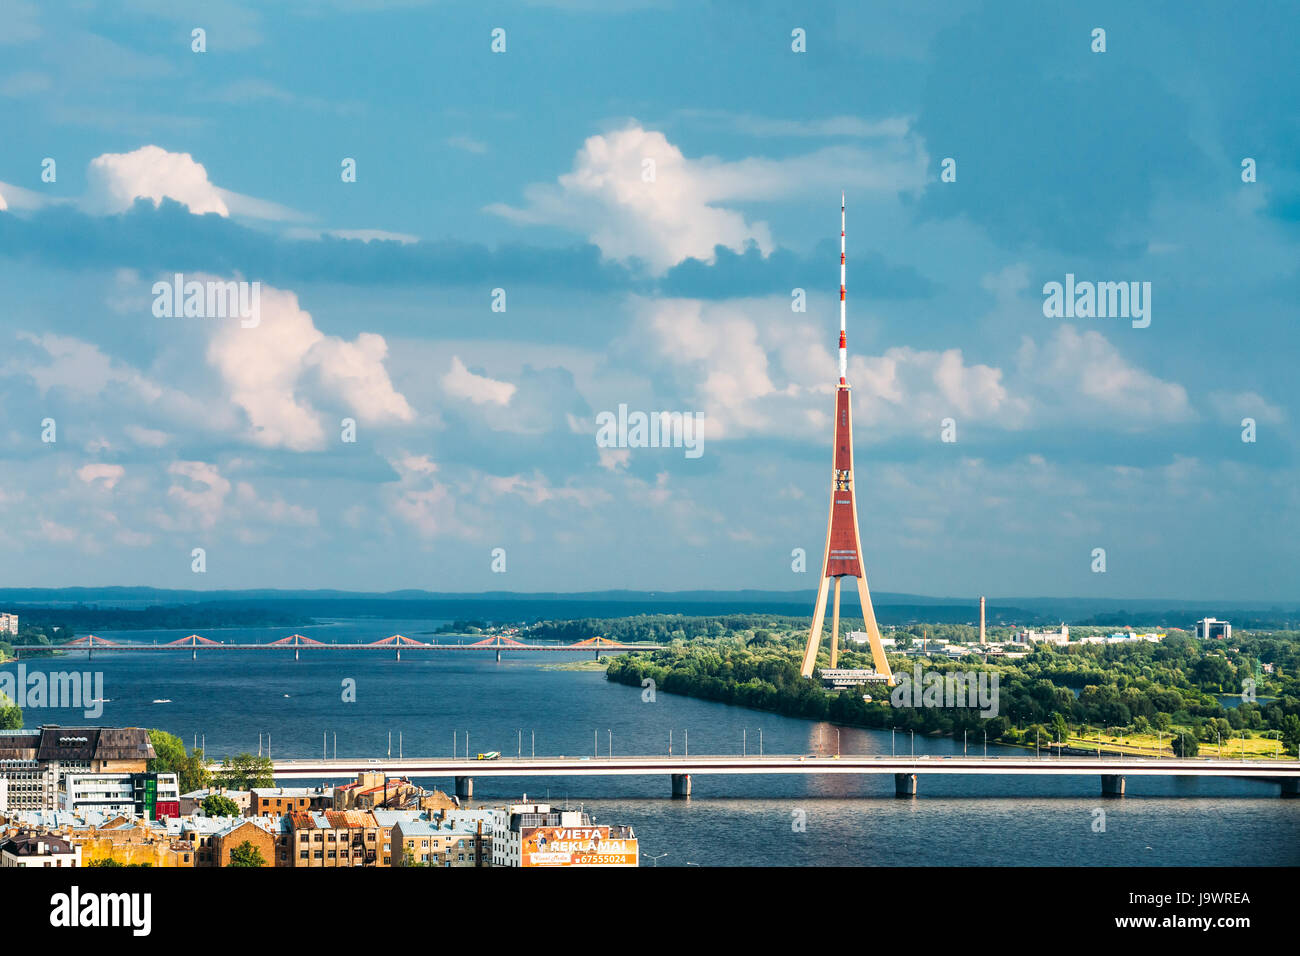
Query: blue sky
[524,171]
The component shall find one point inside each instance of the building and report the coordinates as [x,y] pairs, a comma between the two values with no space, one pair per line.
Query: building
[264,801]
[533,834]
[214,838]
[29,848]
[129,843]
[335,838]
[1059,638]
[8,624]
[1211,628]
[386,820]
[148,795]
[266,834]
[850,677]
[446,842]
[34,763]
[192,802]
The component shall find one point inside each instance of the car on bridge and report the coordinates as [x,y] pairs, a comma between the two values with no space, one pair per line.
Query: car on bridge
[490,755]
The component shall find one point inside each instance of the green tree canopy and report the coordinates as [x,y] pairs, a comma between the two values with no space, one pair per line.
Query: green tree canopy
[247,855]
[217,805]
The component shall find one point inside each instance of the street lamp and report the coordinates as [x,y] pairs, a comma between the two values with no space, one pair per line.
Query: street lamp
[658,857]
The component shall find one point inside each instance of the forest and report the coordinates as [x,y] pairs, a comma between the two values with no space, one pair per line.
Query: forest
[1184,692]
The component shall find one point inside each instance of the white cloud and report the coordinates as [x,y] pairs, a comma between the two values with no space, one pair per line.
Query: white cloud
[203,492]
[677,215]
[268,371]
[914,387]
[419,499]
[1081,375]
[115,180]
[460,382]
[110,475]
[536,489]
[1232,407]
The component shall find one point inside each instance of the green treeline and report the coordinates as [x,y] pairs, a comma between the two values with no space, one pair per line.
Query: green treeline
[1171,688]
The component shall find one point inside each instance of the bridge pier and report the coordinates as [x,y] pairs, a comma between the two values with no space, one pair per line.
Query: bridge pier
[1112,785]
[1290,786]
[498,655]
[194,654]
[295,653]
[904,784]
[682,785]
[465,788]
[399,652]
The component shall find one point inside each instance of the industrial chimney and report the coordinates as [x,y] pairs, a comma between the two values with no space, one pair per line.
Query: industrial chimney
[981,619]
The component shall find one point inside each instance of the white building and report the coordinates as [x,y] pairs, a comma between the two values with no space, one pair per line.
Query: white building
[8,623]
[1059,638]
[116,793]
[29,849]
[1213,628]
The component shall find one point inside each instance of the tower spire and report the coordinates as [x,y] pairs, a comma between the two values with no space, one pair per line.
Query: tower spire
[844,348]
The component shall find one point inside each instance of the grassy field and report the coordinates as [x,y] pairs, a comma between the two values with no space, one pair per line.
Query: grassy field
[1152,745]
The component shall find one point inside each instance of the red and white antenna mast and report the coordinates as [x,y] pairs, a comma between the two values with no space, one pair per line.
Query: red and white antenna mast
[844,348]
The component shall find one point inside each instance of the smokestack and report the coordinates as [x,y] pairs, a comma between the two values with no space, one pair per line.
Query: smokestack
[981,619]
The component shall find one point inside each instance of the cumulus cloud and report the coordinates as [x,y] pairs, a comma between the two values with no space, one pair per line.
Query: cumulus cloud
[906,386]
[753,371]
[422,502]
[1082,375]
[200,489]
[79,367]
[637,196]
[270,370]
[460,382]
[116,180]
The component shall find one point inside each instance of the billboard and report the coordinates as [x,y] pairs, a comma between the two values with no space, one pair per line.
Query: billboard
[575,846]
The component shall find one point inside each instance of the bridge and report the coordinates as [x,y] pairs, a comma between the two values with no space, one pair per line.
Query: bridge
[905,770]
[297,643]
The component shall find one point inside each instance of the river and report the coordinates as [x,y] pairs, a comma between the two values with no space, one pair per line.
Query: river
[427,700]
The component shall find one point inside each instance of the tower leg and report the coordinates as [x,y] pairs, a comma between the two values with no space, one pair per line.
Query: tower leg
[815,634]
[835,624]
[873,631]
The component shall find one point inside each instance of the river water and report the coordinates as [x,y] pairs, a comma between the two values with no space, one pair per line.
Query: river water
[428,701]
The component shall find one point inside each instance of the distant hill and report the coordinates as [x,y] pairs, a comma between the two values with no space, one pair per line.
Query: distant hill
[278,606]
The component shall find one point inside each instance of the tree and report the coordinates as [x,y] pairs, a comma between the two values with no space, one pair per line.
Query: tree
[190,769]
[247,855]
[1185,745]
[243,772]
[11,715]
[216,805]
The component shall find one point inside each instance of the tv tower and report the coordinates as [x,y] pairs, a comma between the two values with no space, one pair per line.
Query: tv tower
[843,557]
